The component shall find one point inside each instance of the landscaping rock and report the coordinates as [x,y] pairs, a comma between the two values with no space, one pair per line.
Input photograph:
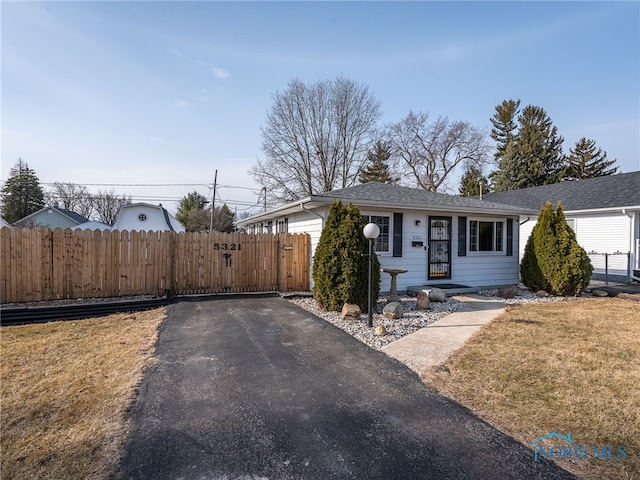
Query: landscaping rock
[599,293]
[507,292]
[422,301]
[351,312]
[393,310]
[381,331]
[437,295]
[542,294]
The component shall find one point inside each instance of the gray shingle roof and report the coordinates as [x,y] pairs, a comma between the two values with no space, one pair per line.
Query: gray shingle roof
[385,194]
[72,215]
[613,191]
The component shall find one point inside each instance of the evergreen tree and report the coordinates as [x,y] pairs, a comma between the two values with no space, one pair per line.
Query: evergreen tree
[504,126]
[587,161]
[21,193]
[532,156]
[377,169]
[473,182]
[192,213]
[223,219]
[340,264]
[553,260]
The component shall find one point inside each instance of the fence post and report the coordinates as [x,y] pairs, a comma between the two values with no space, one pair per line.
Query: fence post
[168,283]
[606,269]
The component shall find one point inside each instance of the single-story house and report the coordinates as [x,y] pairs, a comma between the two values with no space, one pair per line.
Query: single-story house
[604,212]
[146,217]
[440,239]
[51,217]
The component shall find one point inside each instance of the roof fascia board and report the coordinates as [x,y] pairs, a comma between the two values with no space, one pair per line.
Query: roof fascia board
[318,201]
[602,210]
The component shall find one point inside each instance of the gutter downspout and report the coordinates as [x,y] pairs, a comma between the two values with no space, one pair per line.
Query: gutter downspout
[526,220]
[314,214]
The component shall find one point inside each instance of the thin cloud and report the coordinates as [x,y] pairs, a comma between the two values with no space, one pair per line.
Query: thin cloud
[181,103]
[217,72]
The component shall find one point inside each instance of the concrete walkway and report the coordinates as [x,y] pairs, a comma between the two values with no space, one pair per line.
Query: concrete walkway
[433,344]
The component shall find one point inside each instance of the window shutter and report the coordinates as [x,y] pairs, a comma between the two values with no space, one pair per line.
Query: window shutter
[462,236]
[510,237]
[397,234]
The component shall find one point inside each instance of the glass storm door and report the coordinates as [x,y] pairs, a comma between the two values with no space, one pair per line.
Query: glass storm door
[439,248]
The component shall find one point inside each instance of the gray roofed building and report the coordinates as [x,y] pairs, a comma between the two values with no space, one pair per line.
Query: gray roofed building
[375,194]
[612,191]
[604,213]
[51,217]
[438,239]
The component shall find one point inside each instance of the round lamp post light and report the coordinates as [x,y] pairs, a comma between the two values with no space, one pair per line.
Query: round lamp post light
[371,232]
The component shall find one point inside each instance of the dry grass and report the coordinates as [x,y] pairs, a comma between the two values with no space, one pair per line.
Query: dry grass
[67,388]
[557,367]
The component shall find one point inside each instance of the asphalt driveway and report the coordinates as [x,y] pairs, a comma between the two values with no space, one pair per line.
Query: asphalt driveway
[258,388]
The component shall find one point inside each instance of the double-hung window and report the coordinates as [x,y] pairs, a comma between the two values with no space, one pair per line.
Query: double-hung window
[381,244]
[486,236]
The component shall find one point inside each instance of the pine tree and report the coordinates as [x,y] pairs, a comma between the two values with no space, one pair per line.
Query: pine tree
[21,193]
[585,160]
[504,126]
[223,219]
[377,169]
[340,264]
[473,182]
[538,148]
[553,260]
[532,156]
[192,213]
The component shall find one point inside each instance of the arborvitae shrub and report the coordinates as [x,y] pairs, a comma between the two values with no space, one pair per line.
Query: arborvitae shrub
[341,264]
[553,260]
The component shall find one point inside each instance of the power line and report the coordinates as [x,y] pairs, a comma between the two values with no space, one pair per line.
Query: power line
[208,185]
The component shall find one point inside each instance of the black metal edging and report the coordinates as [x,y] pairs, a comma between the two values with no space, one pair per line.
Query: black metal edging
[26,315]
[35,314]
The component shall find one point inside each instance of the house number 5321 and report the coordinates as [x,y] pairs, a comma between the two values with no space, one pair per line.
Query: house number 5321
[227,246]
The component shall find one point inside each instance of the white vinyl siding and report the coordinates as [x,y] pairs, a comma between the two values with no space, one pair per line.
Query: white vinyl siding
[599,233]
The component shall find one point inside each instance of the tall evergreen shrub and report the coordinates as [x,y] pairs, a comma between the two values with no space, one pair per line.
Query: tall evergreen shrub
[553,260]
[341,264]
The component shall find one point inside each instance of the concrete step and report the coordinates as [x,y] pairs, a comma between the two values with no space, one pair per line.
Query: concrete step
[449,292]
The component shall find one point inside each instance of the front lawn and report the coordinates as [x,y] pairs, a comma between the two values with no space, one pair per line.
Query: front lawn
[565,367]
[66,392]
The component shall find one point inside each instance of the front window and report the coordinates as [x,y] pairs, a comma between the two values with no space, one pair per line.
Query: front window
[485,236]
[381,244]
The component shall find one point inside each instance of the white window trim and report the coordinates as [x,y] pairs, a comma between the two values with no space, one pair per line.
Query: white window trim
[496,253]
[389,252]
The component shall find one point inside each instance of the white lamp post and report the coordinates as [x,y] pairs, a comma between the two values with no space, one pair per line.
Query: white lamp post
[371,232]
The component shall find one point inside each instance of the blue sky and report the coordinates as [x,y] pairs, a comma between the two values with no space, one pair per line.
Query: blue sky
[168,92]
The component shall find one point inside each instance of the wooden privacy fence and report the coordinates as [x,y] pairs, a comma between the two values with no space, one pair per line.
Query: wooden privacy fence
[44,264]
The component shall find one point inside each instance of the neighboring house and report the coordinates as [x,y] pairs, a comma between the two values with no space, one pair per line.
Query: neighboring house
[4,223]
[51,217]
[604,212]
[146,217]
[440,239]
[92,225]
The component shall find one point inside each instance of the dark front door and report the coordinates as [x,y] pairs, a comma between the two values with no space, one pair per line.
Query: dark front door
[439,248]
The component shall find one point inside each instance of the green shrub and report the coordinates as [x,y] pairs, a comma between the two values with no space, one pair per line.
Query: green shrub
[553,260]
[341,263]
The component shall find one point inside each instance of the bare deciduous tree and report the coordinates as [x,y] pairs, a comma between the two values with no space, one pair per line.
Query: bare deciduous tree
[428,153]
[71,196]
[106,205]
[315,138]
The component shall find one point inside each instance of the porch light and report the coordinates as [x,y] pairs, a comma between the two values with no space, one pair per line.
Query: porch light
[371,232]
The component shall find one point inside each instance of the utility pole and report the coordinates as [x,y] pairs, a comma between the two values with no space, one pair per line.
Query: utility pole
[213,200]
